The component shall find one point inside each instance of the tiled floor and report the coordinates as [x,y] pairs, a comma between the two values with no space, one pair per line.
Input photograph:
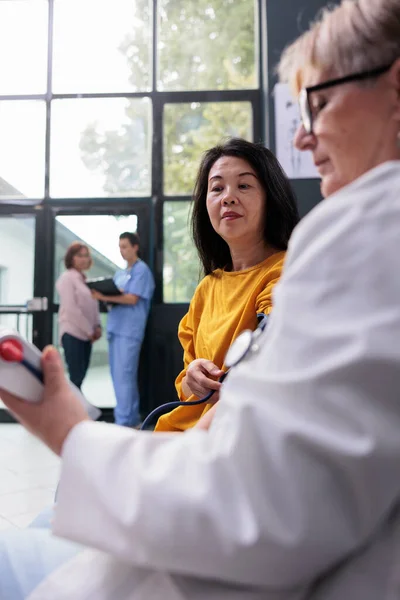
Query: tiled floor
[28,476]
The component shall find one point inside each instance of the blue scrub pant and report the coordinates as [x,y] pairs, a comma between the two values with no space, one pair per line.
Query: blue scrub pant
[27,557]
[124,354]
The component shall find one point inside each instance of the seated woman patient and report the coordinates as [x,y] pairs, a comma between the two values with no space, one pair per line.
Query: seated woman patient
[243,215]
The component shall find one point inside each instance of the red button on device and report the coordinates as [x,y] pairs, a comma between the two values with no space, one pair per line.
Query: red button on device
[11,351]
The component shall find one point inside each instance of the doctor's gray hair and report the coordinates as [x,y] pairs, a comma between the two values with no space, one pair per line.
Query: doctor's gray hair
[357,35]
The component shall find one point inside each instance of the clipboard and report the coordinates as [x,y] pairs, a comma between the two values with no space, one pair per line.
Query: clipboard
[104,285]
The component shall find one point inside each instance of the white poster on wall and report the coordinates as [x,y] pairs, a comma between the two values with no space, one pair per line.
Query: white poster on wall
[297,165]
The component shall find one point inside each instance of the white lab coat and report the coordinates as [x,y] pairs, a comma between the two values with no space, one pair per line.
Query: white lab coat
[294,492]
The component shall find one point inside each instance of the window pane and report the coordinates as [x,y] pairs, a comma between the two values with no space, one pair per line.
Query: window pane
[17,251]
[23,47]
[207,45]
[181,272]
[101,234]
[22,149]
[105,150]
[102,46]
[190,129]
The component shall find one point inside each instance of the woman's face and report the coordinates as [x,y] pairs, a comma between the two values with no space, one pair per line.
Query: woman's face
[354,130]
[235,201]
[81,260]
[128,252]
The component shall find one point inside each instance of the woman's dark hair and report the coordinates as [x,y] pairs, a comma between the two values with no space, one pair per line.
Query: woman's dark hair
[133,238]
[72,250]
[281,215]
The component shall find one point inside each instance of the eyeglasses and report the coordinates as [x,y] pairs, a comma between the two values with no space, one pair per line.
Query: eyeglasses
[304,97]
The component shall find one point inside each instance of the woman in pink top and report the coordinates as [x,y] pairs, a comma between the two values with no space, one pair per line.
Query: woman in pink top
[78,317]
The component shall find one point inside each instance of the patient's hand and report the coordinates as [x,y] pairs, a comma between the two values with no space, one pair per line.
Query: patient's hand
[201,377]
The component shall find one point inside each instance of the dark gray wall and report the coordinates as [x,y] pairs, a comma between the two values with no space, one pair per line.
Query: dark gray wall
[284,21]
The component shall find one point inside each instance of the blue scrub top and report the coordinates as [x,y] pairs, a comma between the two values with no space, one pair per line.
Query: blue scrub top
[129,320]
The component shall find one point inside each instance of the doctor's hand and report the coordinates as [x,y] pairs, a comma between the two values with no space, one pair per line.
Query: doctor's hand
[201,377]
[52,419]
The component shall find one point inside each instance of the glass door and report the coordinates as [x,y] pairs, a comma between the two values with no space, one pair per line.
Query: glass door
[17,250]
[100,231]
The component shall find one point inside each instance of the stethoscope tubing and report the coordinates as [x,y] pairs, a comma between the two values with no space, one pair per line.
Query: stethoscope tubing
[168,406]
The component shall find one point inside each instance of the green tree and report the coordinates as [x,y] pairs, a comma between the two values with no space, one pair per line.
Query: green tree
[190,129]
[123,156]
[207,44]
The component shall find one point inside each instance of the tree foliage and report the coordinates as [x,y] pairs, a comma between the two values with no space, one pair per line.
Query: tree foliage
[207,45]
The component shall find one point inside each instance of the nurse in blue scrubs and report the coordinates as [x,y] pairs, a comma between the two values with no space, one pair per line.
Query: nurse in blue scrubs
[126,326]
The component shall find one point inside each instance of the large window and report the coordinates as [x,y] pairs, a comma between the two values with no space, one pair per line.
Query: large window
[102,46]
[100,233]
[22,149]
[114,102]
[104,151]
[17,243]
[23,46]
[181,271]
[221,38]
[191,128]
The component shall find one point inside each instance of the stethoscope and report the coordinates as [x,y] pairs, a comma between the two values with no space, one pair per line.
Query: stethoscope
[246,343]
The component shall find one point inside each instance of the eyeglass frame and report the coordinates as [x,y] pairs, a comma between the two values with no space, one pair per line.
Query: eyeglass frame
[304,96]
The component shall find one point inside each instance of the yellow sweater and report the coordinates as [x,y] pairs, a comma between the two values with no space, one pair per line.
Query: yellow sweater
[223,305]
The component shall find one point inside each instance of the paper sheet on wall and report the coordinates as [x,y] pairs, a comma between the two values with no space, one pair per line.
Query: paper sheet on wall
[297,165]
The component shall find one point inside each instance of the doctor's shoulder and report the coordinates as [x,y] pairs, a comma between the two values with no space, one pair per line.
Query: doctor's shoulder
[369,198]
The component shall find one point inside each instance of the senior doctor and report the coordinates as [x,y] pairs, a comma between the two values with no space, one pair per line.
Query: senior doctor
[293,492]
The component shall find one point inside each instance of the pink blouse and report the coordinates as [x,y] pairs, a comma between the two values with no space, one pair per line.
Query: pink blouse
[79,312]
